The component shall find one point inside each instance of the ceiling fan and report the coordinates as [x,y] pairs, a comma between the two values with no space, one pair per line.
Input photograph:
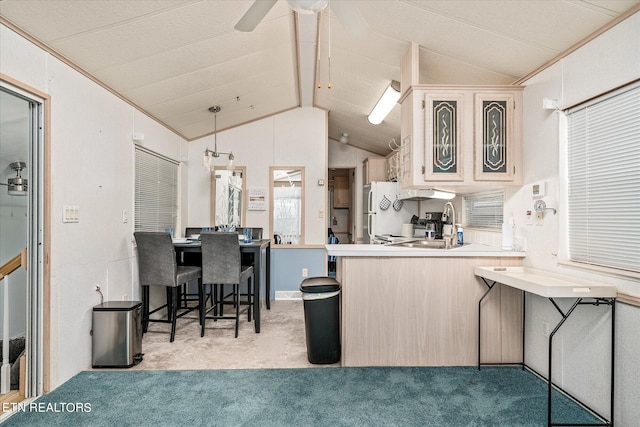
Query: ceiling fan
[346,12]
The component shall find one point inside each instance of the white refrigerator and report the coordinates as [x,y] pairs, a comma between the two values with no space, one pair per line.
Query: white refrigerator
[378,220]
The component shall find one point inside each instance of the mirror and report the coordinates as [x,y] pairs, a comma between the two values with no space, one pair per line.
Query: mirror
[227,196]
[287,205]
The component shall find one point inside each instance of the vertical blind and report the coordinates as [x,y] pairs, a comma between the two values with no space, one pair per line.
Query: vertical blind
[156,193]
[604,181]
[484,210]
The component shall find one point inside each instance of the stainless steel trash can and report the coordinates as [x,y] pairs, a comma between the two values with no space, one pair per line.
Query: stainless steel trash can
[321,299]
[117,334]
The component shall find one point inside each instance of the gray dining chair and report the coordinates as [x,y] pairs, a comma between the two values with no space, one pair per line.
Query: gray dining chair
[157,266]
[221,266]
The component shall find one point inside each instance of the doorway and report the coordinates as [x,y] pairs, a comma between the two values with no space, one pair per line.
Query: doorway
[22,227]
[341,204]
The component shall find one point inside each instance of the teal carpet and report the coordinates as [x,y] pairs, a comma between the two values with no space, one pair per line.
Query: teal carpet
[459,396]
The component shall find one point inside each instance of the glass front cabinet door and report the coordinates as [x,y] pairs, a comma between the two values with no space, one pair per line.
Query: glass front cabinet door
[494,136]
[443,137]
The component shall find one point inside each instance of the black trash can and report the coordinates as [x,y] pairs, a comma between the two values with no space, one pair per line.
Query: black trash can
[321,297]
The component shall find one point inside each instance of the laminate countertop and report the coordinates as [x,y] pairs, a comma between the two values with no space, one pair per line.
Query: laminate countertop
[467,250]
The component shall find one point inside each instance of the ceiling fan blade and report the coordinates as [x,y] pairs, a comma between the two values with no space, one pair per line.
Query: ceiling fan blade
[350,18]
[254,15]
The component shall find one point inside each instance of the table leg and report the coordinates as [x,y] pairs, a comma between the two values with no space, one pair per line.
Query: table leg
[268,276]
[257,271]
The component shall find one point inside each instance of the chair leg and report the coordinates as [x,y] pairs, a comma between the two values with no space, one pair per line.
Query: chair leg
[250,290]
[214,301]
[173,310]
[221,296]
[236,296]
[203,309]
[145,308]
[201,298]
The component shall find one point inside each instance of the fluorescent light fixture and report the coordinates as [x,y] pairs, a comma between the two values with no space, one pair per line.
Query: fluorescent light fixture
[387,101]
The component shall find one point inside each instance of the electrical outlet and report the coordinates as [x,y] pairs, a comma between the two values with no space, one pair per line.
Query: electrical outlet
[545,329]
[305,272]
[529,218]
[125,297]
[125,216]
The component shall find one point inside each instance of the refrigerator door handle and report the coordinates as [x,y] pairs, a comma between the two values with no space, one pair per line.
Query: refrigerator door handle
[370,226]
[370,201]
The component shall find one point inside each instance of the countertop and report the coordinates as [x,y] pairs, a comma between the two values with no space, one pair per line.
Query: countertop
[468,250]
[546,284]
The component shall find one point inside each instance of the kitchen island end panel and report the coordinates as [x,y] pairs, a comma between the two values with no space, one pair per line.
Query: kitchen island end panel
[423,311]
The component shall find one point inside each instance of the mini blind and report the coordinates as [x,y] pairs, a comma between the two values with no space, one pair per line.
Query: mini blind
[604,181]
[156,192]
[484,210]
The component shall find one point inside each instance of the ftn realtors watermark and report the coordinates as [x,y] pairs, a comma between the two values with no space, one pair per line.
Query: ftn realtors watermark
[53,407]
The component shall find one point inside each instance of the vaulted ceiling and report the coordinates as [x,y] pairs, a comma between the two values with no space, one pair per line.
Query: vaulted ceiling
[175,58]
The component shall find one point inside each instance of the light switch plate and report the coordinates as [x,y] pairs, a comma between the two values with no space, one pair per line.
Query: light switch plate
[70,214]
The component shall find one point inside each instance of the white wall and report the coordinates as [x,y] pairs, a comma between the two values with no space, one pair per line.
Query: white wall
[294,138]
[581,349]
[92,166]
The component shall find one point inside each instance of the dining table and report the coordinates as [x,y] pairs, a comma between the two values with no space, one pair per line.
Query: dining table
[261,251]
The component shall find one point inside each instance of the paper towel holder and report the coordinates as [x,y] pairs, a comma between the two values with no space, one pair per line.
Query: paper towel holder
[540,206]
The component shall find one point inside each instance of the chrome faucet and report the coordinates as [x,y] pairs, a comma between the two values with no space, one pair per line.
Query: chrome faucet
[448,228]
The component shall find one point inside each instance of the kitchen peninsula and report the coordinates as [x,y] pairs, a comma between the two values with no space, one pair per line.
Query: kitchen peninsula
[419,306]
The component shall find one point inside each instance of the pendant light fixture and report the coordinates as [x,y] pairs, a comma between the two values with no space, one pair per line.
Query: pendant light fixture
[17,186]
[208,156]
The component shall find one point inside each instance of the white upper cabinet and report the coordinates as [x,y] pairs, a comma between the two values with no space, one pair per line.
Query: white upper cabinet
[462,138]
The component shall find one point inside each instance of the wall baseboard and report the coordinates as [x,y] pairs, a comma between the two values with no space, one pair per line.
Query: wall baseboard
[288,295]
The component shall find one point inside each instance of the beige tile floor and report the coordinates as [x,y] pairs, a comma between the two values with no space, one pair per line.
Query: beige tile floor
[280,343]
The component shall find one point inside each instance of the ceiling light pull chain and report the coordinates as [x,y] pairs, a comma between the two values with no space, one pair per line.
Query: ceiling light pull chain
[318,52]
[329,64]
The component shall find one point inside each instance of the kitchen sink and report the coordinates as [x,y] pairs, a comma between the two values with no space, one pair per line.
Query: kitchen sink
[427,244]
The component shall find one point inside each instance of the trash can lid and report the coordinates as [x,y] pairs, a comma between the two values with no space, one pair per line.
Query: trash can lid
[319,284]
[117,306]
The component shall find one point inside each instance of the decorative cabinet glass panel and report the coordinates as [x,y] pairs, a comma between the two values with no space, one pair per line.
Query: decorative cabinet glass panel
[494,145]
[443,137]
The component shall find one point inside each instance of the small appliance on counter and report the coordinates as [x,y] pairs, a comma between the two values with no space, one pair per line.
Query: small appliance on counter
[434,218]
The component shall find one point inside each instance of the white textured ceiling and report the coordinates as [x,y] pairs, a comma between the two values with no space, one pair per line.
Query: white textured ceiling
[174,59]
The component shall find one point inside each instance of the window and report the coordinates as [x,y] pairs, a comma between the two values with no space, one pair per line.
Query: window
[156,206]
[287,209]
[484,210]
[227,196]
[603,174]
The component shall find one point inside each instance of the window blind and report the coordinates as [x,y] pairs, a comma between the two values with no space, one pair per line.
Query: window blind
[156,192]
[484,210]
[604,181]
